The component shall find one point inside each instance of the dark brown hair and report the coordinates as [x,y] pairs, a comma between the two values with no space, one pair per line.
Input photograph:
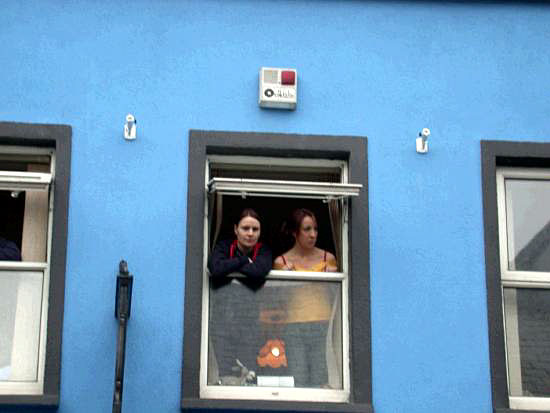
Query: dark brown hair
[295,220]
[247,212]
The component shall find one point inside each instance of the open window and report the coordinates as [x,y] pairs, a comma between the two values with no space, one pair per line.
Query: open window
[294,331]
[290,331]
[33,197]
[517,239]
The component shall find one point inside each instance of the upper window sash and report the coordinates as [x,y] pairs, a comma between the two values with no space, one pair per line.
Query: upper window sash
[24,181]
[264,187]
[512,277]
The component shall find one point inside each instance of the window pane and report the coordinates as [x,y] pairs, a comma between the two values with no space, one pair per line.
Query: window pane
[23,226]
[288,332]
[20,310]
[528,224]
[527,341]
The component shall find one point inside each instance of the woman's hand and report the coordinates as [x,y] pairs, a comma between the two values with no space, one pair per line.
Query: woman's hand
[280,264]
[288,267]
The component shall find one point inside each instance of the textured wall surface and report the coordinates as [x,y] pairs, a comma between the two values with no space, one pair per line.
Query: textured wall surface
[382,69]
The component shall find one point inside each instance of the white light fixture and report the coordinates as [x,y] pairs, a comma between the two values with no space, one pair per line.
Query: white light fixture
[422,141]
[130,127]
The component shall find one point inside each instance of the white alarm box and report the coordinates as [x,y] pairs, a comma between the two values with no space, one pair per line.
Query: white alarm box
[278,88]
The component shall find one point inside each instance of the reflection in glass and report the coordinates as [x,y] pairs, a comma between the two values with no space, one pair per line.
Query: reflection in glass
[287,332]
[20,310]
[528,224]
[527,341]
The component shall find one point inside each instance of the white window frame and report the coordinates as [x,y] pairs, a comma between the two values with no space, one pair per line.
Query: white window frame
[283,189]
[281,393]
[24,181]
[29,181]
[516,279]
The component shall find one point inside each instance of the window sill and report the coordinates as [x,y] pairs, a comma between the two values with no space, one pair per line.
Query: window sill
[24,402]
[275,406]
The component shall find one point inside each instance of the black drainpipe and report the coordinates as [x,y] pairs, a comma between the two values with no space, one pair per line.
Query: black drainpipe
[123,304]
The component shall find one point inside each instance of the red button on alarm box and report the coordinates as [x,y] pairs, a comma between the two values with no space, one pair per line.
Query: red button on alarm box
[288,77]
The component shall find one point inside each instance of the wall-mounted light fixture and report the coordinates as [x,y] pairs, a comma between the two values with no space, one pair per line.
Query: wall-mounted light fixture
[130,127]
[422,141]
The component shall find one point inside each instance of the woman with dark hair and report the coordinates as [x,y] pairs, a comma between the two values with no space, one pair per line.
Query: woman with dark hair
[233,321]
[244,254]
[309,304]
[304,255]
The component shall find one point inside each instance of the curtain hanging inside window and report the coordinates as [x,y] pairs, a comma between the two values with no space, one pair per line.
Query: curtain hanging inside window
[334,346]
[219,215]
[335,213]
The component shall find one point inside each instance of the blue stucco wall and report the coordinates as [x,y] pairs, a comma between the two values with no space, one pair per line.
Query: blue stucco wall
[467,70]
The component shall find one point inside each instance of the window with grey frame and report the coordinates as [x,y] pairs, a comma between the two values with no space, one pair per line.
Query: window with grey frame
[223,184]
[34,180]
[516,183]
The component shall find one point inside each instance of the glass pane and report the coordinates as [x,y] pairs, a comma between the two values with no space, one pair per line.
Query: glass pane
[20,310]
[527,314]
[289,333]
[528,224]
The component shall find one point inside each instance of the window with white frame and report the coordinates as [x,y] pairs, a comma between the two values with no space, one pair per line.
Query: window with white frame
[34,201]
[262,327]
[26,199]
[524,234]
[291,331]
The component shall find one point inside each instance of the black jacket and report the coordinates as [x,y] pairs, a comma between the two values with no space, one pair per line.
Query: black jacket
[221,264]
[9,251]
